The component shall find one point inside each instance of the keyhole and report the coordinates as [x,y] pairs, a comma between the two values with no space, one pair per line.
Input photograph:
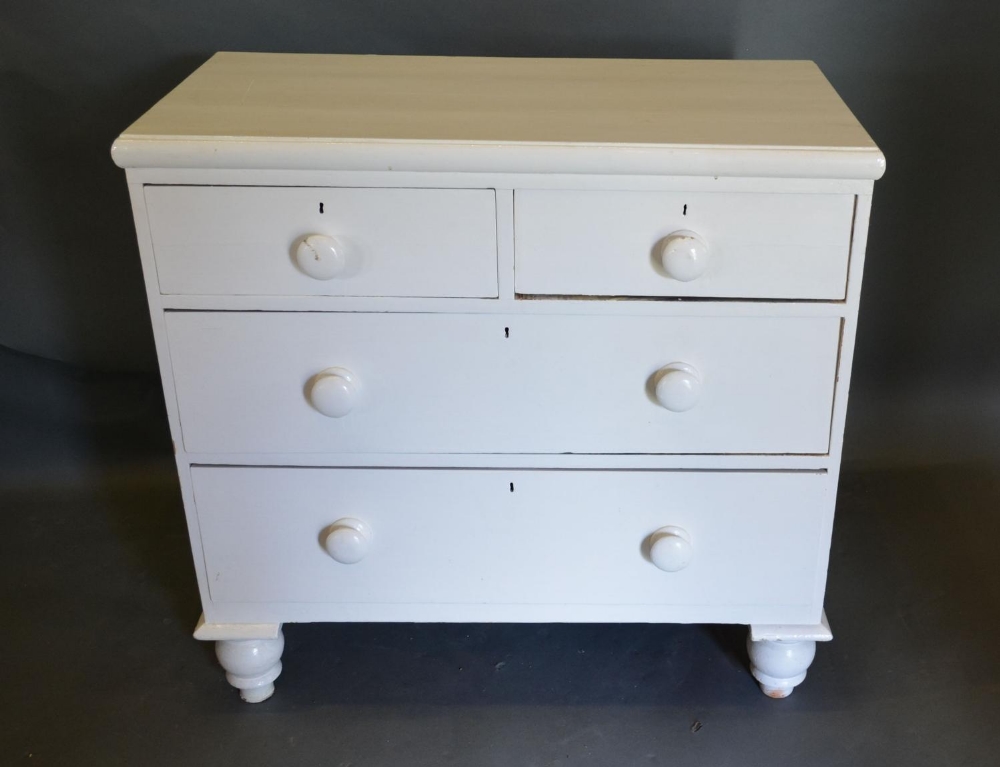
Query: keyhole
[506,332]
[512,487]
[685,210]
[321,207]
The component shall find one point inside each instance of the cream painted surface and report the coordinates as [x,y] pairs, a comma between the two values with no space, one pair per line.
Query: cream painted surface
[457,99]
[591,243]
[448,383]
[599,461]
[398,242]
[469,179]
[432,349]
[215,631]
[405,112]
[597,306]
[453,537]
[780,666]
[820,632]
[251,665]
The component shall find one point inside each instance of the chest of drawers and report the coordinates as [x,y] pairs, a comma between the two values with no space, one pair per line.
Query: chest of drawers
[450,339]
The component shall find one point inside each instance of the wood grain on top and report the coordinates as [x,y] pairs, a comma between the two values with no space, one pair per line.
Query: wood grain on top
[506,101]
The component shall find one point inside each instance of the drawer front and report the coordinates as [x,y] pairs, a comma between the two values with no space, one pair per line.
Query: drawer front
[596,243]
[434,536]
[450,383]
[214,240]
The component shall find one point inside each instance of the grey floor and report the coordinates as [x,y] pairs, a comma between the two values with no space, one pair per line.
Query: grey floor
[99,666]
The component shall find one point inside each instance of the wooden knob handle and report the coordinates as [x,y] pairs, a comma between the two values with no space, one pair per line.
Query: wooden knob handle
[670,549]
[678,387]
[322,257]
[347,540]
[334,392]
[684,256]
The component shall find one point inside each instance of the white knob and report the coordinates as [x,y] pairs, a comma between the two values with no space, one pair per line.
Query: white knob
[678,387]
[322,257]
[347,540]
[670,549]
[684,256]
[334,392]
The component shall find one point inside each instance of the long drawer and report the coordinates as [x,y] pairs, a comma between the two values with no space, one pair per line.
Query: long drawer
[264,382]
[614,243]
[219,240]
[754,541]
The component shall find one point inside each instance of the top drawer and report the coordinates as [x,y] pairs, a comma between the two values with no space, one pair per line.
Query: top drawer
[597,243]
[218,240]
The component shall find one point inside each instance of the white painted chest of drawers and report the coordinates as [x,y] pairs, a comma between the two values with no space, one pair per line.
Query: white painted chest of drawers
[452,339]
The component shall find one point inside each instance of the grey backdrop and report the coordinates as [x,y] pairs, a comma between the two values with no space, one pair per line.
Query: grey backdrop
[921,75]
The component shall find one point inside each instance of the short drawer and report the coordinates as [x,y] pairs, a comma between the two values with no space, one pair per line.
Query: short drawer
[712,245]
[438,536]
[218,240]
[262,382]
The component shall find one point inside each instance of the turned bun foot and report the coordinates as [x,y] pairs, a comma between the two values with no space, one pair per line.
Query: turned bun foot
[251,665]
[780,665]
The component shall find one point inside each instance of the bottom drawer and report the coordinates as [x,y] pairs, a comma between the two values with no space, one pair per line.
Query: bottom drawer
[543,545]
